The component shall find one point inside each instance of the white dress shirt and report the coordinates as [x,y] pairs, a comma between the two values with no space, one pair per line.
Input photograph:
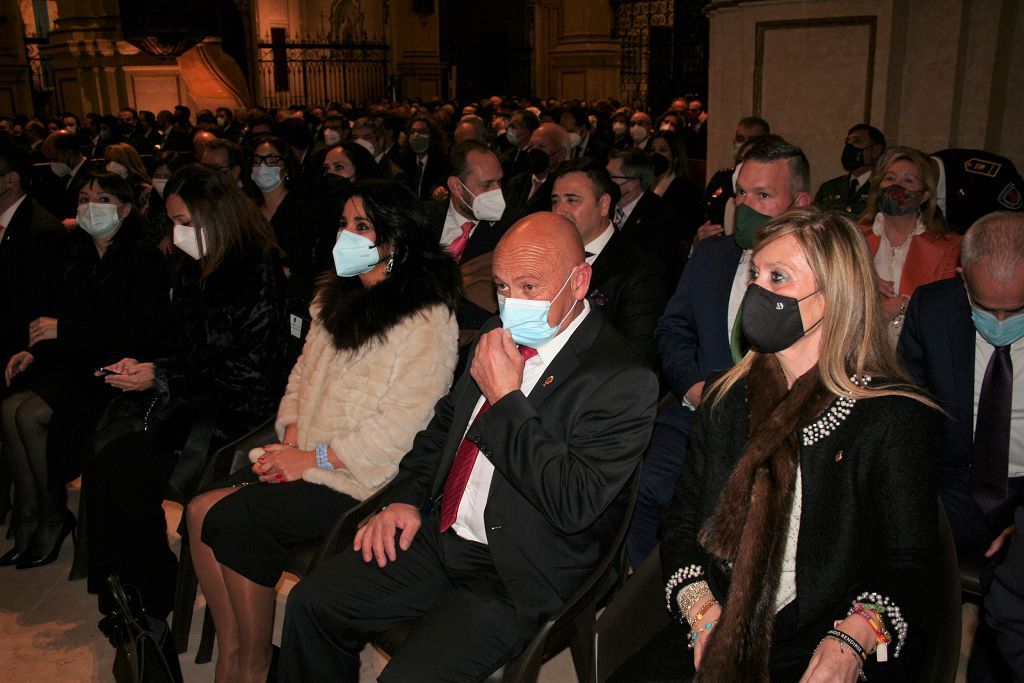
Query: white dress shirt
[983,351]
[597,245]
[453,222]
[469,522]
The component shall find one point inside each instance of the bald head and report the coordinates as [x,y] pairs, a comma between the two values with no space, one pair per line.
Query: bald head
[547,233]
[550,137]
[62,146]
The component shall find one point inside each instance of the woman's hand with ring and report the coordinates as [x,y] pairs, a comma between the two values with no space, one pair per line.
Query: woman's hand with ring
[282,463]
[41,329]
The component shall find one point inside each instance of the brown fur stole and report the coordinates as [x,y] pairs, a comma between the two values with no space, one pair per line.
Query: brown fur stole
[749,523]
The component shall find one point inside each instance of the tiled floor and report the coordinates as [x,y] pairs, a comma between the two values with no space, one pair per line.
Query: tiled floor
[48,628]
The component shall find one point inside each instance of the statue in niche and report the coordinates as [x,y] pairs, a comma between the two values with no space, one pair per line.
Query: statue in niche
[347,21]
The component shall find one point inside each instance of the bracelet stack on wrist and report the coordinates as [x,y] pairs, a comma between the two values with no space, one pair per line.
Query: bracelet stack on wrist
[322,461]
[882,637]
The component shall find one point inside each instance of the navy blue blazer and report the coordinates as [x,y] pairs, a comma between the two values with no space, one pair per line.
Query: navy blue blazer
[692,334]
[937,349]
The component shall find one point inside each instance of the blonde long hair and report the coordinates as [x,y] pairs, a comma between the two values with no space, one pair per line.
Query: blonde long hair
[854,338]
[934,222]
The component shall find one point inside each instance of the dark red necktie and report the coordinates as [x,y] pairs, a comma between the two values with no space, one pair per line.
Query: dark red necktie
[462,465]
[992,432]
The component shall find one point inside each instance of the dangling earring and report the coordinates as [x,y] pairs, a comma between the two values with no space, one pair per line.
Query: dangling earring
[391,263]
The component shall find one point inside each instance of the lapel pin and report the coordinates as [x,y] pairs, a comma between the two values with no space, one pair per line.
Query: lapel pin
[549,380]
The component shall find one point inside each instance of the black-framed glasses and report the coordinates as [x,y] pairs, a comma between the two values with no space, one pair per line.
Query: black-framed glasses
[272,160]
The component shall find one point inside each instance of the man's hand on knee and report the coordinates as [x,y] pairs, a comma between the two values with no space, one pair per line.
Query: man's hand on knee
[376,538]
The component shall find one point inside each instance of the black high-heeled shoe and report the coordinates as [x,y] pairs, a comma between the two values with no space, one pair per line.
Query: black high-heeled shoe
[35,559]
[12,556]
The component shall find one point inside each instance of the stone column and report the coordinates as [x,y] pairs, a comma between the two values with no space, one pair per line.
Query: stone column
[15,91]
[586,61]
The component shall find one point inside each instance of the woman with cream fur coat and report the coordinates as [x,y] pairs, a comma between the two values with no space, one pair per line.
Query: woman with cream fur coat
[380,353]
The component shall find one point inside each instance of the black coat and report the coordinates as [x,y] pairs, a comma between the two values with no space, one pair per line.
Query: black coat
[868,517]
[227,342]
[33,254]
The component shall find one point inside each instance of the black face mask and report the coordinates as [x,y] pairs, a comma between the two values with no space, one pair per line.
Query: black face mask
[853,157]
[661,164]
[538,161]
[771,322]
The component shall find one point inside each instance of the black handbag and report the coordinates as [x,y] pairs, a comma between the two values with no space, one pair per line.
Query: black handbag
[145,650]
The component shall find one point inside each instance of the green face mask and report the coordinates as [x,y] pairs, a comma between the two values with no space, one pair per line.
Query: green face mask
[748,222]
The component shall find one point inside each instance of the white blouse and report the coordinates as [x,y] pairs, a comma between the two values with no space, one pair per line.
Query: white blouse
[786,592]
[889,259]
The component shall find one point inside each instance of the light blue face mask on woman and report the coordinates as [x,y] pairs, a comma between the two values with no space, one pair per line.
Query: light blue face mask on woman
[527,319]
[995,332]
[354,254]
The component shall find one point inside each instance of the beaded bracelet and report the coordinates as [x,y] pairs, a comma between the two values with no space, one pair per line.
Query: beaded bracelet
[695,634]
[690,596]
[681,576]
[887,611]
[322,461]
[701,612]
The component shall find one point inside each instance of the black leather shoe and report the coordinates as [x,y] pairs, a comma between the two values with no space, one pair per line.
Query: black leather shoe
[12,556]
[32,559]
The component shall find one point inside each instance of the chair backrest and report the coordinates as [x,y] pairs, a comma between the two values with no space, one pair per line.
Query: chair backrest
[942,622]
[579,612]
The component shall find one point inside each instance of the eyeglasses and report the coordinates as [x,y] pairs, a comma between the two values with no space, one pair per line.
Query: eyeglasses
[272,160]
[623,177]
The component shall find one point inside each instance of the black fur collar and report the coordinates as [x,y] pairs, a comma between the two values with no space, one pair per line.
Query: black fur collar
[355,315]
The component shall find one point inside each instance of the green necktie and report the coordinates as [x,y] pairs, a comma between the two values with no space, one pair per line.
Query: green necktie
[737,342]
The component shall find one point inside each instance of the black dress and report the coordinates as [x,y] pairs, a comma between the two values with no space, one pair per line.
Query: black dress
[225,371]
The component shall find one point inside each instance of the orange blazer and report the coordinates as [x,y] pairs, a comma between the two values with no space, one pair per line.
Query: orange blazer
[928,259]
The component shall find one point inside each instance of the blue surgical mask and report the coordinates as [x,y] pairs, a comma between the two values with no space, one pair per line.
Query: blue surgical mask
[527,319]
[354,254]
[995,332]
[267,178]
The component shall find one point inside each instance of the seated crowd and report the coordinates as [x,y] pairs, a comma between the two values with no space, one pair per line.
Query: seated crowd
[472,316]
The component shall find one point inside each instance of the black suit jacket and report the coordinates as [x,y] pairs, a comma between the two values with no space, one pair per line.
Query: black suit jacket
[937,349]
[655,227]
[60,195]
[33,255]
[519,203]
[513,162]
[596,150]
[562,458]
[434,173]
[629,289]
